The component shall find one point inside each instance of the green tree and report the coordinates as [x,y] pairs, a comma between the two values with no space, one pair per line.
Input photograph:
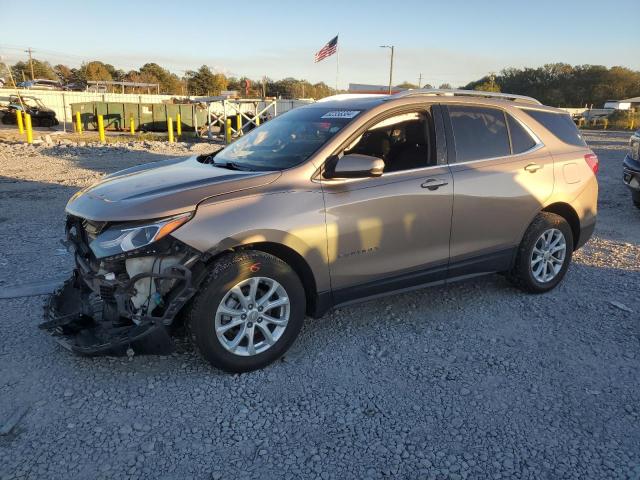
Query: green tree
[154,73]
[406,84]
[22,70]
[64,73]
[445,86]
[205,82]
[96,70]
[564,85]
[488,87]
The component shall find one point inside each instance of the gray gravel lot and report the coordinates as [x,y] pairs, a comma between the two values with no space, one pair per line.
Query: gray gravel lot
[475,380]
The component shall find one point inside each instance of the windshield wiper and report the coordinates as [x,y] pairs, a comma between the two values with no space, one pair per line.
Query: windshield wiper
[229,165]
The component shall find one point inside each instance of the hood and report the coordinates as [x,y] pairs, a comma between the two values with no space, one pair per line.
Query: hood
[160,189]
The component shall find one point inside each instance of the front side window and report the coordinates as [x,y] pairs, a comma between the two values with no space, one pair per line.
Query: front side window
[479,132]
[405,141]
[287,140]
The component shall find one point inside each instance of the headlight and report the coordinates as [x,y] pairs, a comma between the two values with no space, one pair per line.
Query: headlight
[124,238]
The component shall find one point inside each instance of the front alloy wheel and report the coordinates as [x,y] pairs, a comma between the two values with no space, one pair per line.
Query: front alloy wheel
[248,312]
[252,316]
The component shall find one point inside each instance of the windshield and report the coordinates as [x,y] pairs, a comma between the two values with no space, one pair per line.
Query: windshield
[287,140]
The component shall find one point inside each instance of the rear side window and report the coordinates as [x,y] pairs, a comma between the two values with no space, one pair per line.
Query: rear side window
[479,132]
[521,141]
[560,125]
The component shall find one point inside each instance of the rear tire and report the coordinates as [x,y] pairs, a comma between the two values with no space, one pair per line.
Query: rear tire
[635,197]
[225,310]
[541,261]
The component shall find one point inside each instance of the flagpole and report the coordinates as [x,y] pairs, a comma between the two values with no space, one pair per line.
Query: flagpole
[337,61]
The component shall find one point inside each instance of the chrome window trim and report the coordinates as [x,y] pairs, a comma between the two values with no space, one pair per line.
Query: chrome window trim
[535,148]
[335,181]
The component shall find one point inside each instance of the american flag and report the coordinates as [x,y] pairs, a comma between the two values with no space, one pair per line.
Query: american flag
[329,49]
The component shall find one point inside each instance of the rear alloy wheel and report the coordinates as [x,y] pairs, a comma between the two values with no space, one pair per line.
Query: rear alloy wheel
[544,254]
[547,256]
[248,312]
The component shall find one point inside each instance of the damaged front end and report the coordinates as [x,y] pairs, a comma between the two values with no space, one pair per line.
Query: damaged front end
[129,283]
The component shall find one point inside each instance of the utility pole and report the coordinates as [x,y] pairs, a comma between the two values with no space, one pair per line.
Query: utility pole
[420,81]
[392,48]
[29,51]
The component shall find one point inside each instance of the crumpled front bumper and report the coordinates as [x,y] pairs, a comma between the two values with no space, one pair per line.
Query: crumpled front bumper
[84,323]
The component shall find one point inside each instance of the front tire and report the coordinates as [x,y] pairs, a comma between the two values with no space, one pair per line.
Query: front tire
[544,254]
[248,311]
[635,197]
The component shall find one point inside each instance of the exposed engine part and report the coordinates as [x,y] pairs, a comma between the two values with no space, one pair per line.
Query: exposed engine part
[148,292]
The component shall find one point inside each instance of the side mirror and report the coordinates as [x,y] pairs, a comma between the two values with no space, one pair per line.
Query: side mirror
[355,165]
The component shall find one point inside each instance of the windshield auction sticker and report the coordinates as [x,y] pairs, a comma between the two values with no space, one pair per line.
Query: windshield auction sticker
[341,114]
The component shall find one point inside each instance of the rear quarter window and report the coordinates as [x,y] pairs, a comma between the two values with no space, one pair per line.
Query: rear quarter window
[560,125]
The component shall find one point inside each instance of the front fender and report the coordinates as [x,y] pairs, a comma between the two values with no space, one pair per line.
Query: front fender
[295,219]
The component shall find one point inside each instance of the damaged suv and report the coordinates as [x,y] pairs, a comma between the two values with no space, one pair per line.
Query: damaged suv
[332,203]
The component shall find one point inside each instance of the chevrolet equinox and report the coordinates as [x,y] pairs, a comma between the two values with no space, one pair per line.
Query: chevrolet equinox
[343,200]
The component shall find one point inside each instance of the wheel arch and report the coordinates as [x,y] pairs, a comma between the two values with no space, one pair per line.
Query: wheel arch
[288,255]
[296,262]
[567,212]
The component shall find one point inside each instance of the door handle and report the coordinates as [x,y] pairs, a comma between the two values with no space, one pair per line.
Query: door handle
[533,167]
[433,183]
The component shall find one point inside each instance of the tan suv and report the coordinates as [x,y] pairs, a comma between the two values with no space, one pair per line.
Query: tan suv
[332,203]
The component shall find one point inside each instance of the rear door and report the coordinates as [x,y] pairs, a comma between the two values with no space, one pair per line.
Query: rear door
[502,175]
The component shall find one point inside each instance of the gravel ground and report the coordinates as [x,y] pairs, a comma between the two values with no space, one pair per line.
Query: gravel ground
[476,380]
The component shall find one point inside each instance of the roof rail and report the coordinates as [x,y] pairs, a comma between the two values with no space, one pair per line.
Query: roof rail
[464,93]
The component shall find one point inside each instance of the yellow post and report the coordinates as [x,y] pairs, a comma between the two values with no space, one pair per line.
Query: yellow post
[78,123]
[170,128]
[606,123]
[179,125]
[238,123]
[19,121]
[27,124]
[227,132]
[257,120]
[132,126]
[101,129]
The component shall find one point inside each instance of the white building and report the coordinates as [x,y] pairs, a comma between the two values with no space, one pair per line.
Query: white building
[625,104]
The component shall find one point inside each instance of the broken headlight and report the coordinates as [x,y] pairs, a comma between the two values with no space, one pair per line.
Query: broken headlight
[125,238]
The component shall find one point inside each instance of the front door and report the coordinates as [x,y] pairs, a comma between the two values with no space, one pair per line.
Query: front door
[390,232]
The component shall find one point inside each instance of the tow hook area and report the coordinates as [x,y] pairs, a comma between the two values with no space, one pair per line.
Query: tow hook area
[85,323]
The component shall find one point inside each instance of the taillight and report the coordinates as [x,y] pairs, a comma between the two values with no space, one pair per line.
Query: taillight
[592,161]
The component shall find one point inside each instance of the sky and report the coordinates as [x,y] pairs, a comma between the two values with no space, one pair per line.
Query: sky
[446,42]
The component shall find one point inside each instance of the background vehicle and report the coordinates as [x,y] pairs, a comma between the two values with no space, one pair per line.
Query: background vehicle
[336,202]
[631,168]
[41,116]
[41,84]
[76,87]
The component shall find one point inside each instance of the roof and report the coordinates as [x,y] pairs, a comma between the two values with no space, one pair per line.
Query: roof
[363,102]
[367,101]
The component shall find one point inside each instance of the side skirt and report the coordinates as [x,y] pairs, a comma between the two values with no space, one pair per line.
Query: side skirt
[485,264]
